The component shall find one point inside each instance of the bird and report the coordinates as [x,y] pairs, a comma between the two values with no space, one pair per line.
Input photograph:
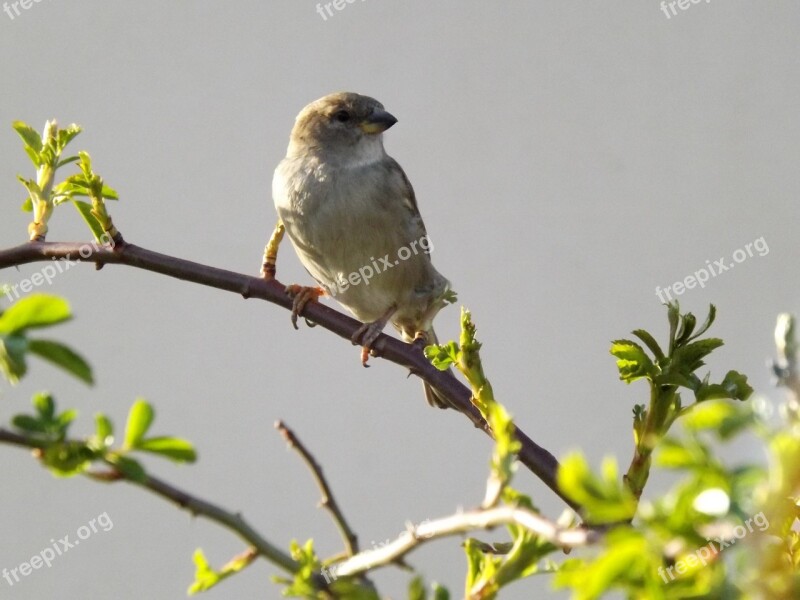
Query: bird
[351,215]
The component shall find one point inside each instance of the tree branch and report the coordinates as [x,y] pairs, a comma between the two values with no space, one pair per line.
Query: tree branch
[328,501]
[194,505]
[479,519]
[534,457]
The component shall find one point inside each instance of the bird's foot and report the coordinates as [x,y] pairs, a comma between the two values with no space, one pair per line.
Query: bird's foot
[302,295]
[368,333]
[420,340]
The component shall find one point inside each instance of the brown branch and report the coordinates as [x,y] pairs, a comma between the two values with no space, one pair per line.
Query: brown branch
[328,501]
[534,457]
[186,501]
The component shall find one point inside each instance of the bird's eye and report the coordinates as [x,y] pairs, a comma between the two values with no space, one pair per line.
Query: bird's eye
[342,116]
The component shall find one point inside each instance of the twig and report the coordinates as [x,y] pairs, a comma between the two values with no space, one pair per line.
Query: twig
[194,505]
[482,519]
[534,457]
[328,501]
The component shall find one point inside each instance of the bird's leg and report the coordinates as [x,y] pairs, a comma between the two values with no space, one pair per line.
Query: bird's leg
[369,332]
[302,295]
[269,267]
[420,340]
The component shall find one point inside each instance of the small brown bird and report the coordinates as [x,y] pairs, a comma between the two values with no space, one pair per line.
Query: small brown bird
[353,220]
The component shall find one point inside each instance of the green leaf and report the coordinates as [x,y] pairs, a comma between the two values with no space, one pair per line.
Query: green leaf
[733,386]
[481,570]
[85,210]
[27,205]
[674,317]
[66,161]
[650,342]
[36,310]
[309,567]
[605,499]
[416,589]
[110,193]
[672,454]
[632,361]
[104,429]
[708,415]
[678,378]
[44,405]
[34,156]
[712,314]
[30,185]
[65,136]
[129,467]
[440,592]
[64,357]
[64,419]
[68,459]
[442,357]
[29,135]
[140,418]
[204,576]
[689,357]
[626,559]
[685,329]
[175,449]
[29,424]
[12,357]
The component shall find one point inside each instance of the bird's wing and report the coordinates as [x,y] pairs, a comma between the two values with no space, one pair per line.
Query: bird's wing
[409,197]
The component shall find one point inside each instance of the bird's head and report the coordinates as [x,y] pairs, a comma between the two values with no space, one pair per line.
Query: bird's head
[344,122]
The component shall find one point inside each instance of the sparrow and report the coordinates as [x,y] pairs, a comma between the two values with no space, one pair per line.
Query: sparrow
[352,218]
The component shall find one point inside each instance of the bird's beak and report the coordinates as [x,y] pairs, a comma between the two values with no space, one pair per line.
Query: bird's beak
[378,122]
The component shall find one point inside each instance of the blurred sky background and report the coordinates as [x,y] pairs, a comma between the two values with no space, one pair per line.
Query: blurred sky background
[568,157]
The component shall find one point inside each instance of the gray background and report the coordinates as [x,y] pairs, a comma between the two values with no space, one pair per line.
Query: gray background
[568,158]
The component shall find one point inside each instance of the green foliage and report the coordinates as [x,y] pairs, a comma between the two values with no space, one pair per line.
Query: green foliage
[490,567]
[417,591]
[140,418]
[47,431]
[604,499]
[465,356]
[488,571]
[667,372]
[206,577]
[685,355]
[37,311]
[313,581]
[89,184]
[673,550]
[45,153]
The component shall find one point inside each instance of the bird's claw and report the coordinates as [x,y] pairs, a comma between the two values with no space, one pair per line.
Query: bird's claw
[302,295]
[368,334]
